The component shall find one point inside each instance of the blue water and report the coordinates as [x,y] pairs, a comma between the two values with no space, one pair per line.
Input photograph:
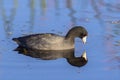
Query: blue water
[100,17]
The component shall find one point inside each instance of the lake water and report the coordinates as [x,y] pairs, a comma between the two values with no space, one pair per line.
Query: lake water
[101,18]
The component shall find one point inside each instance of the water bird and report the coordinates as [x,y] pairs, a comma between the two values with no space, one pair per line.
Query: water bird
[50,41]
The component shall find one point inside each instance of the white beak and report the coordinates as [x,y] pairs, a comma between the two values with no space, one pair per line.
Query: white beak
[84,39]
[84,55]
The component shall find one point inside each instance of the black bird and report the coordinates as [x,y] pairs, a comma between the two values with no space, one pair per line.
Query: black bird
[50,41]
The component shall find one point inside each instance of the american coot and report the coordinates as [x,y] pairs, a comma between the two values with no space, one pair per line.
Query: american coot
[50,41]
[69,55]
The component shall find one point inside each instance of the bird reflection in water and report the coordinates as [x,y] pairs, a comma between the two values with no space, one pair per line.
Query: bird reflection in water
[55,54]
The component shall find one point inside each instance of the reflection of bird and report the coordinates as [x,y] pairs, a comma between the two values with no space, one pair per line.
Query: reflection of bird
[78,61]
[49,41]
[55,54]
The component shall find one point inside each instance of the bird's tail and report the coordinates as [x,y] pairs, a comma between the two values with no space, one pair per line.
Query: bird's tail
[15,39]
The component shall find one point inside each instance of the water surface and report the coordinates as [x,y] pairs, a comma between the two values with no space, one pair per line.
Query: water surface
[100,17]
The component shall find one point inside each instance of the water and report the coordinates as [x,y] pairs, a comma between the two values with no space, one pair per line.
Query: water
[100,17]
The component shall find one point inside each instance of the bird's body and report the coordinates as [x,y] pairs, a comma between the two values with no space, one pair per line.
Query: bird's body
[46,41]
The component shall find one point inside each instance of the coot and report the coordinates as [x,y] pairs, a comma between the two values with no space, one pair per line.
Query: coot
[50,41]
